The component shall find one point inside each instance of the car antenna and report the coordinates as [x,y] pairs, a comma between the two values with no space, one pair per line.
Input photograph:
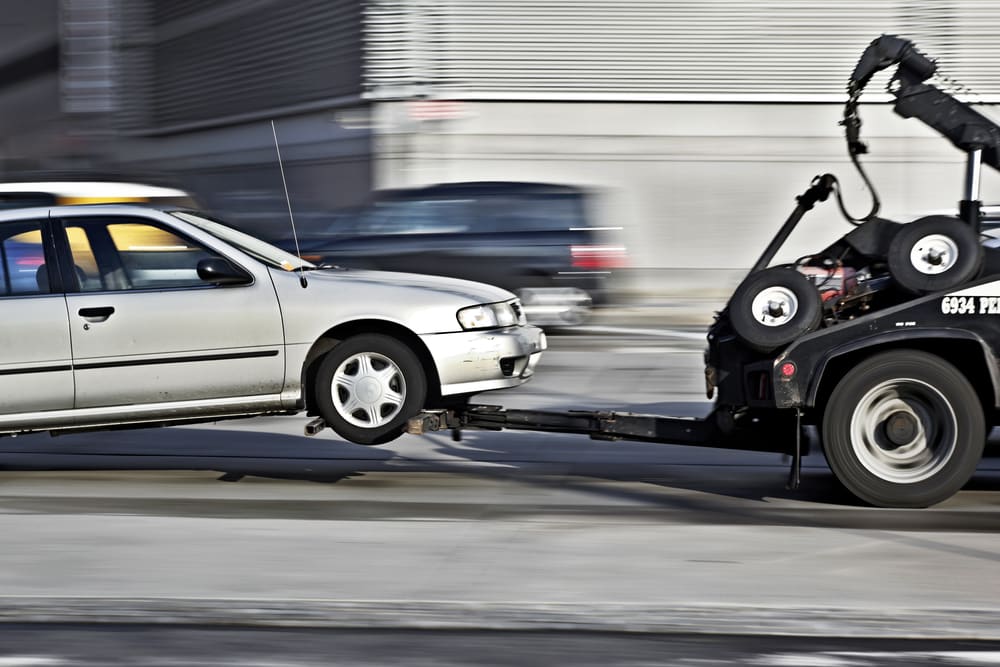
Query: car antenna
[288,201]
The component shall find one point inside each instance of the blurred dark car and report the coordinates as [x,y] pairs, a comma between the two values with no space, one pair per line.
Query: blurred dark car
[534,239]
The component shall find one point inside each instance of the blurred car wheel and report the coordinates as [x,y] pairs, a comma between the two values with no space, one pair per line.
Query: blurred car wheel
[369,386]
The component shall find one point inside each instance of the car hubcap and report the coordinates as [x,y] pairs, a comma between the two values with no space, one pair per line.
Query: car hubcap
[934,254]
[903,431]
[775,306]
[368,390]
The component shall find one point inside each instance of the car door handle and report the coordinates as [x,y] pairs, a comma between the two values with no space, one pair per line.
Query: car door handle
[98,314]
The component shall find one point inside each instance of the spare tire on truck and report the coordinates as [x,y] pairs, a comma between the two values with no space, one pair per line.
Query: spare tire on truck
[773,307]
[933,254]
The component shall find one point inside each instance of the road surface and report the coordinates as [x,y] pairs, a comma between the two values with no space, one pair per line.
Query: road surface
[512,531]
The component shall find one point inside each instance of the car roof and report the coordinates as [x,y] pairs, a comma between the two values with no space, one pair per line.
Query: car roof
[35,212]
[84,190]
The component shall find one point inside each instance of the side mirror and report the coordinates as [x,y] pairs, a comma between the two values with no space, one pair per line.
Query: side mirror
[220,271]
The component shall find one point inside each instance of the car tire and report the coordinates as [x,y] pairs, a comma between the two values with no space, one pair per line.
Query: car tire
[934,253]
[368,386]
[903,429]
[773,307]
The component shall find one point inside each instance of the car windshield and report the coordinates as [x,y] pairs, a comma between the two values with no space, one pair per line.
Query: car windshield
[251,245]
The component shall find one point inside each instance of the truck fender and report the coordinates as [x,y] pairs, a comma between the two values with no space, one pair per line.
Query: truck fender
[901,339]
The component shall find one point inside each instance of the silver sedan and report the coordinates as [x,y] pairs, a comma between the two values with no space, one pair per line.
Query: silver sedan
[127,315]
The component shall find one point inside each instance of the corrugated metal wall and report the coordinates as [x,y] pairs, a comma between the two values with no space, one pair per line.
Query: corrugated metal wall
[86,54]
[198,63]
[685,50]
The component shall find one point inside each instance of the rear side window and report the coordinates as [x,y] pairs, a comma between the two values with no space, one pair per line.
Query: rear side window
[22,257]
[416,216]
[532,213]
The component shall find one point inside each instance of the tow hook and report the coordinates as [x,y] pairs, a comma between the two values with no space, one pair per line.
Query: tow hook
[315,426]
[427,421]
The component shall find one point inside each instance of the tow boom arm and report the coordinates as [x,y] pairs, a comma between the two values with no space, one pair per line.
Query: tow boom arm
[957,121]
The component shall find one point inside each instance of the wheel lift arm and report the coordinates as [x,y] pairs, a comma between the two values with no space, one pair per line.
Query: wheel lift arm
[755,435]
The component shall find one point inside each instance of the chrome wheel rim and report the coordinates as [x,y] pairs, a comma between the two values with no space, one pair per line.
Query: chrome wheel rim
[934,254]
[775,306]
[903,431]
[368,390]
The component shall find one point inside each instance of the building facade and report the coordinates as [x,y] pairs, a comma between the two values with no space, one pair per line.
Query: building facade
[696,121]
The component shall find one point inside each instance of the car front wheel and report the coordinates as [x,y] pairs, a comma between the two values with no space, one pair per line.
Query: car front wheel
[368,386]
[903,429]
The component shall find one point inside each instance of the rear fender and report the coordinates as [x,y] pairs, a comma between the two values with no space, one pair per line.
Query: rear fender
[967,351]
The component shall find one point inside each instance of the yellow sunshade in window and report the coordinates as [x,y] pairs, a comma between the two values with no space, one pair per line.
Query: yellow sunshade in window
[144,238]
[28,237]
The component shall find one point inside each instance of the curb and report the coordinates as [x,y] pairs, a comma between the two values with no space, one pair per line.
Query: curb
[978,624]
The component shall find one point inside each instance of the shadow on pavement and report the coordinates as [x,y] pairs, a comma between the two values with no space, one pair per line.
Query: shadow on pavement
[663,483]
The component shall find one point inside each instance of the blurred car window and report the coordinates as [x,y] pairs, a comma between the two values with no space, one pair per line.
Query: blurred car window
[24,270]
[419,216]
[531,213]
[132,255]
[24,200]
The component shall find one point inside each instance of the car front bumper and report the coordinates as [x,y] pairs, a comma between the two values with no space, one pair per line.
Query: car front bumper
[469,362]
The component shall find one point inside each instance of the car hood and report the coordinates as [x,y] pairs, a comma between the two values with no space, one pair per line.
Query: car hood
[421,303]
[466,290]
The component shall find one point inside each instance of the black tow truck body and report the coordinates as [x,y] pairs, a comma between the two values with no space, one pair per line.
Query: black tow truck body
[887,341]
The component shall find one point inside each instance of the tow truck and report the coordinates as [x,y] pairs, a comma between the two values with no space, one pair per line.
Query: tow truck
[882,346]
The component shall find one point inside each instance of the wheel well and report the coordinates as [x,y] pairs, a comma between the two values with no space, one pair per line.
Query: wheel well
[966,355]
[330,338]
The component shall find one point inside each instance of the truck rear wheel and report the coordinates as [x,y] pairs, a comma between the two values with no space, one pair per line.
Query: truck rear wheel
[904,429]
[773,307]
[934,253]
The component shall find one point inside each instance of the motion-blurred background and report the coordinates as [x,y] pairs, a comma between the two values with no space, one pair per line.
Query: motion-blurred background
[692,124]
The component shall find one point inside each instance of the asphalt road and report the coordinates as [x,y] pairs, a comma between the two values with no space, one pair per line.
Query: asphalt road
[512,531]
[90,645]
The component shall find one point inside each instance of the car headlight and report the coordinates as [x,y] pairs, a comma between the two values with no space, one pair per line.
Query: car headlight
[491,315]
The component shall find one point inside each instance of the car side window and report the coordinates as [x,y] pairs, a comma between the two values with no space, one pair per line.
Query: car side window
[533,213]
[419,216]
[131,255]
[22,257]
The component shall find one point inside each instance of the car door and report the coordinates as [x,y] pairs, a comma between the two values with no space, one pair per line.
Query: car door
[146,329]
[35,358]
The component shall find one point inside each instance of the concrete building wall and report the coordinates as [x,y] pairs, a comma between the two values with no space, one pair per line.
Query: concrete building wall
[699,189]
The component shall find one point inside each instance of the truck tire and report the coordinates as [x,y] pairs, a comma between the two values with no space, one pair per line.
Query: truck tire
[934,253]
[368,387]
[903,429]
[773,307]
